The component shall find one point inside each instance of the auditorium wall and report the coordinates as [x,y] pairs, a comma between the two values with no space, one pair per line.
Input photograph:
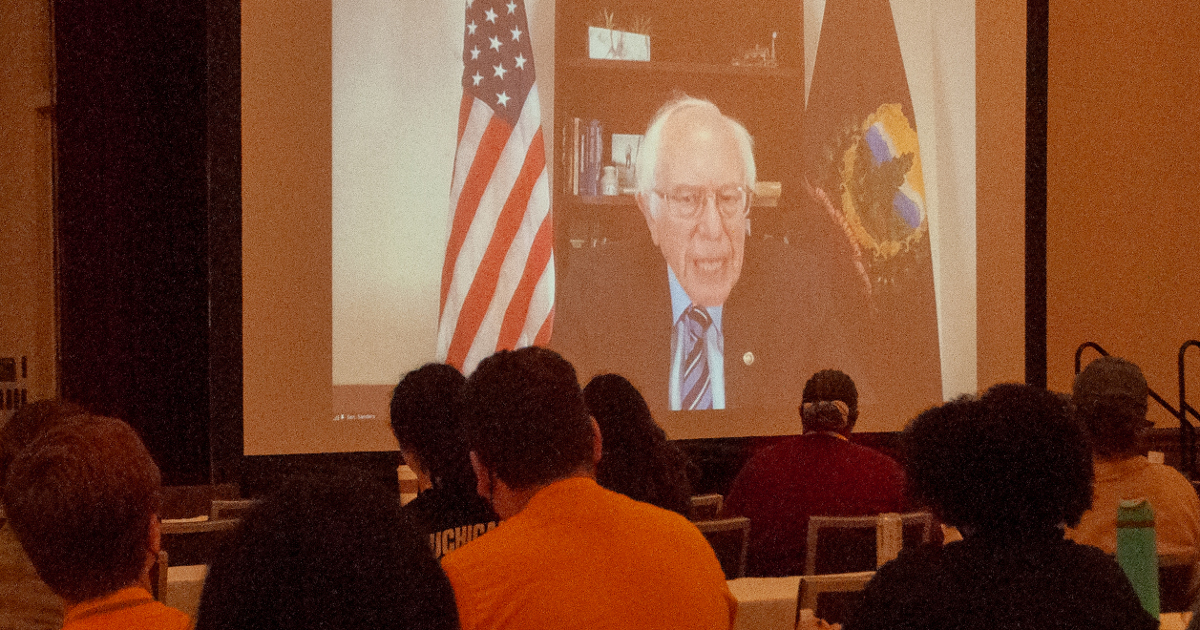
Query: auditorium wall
[26,218]
[1123,268]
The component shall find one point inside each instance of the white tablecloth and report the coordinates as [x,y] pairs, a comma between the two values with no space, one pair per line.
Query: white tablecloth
[765,603]
[184,584]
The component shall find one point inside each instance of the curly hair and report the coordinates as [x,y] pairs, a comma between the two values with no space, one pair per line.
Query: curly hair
[1014,460]
[80,500]
[330,551]
[637,459]
[525,418]
[425,420]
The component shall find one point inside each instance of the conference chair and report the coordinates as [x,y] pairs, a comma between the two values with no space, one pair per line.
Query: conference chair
[705,507]
[1174,582]
[832,597]
[158,577]
[195,541]
[845,544]
[729,538]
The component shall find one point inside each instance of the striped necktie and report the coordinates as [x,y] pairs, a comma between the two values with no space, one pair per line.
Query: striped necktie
[694,384]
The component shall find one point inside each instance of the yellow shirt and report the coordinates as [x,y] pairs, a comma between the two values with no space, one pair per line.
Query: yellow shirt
[130,608]
[1176,506]
[580,556]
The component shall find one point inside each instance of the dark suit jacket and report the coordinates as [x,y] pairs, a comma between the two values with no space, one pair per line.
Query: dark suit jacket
[613,314]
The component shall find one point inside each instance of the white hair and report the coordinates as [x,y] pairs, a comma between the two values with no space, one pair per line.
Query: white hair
[647,159]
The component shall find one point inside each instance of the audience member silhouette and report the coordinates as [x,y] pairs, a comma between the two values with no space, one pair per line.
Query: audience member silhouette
[327,552]
[570,554]
[638,461]
[1110,397]
[1008,470]
[818,473]
[83,500]
[426,425]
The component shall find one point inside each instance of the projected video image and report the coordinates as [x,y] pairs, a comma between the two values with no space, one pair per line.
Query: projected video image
[730,200]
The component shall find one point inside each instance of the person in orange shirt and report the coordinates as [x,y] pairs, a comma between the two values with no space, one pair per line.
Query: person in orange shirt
[568,553]
[83,501]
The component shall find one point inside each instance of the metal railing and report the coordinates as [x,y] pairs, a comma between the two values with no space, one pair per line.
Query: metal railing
[1187,430]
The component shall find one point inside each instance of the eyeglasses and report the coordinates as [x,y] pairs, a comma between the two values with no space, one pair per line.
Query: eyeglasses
[687,202]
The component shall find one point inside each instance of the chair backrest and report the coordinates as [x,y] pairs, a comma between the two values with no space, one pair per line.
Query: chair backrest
[1174,582]
[729,538]
[232,508]
[844,544]
[832,597]
[158,577]
[196,542]
[705,507]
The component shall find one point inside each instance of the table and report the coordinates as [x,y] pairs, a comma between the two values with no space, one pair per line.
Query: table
[765,603]
[184,585]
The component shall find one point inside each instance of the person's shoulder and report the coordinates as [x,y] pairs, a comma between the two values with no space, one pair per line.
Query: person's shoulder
[1170,475]
[874,456]
[166,618]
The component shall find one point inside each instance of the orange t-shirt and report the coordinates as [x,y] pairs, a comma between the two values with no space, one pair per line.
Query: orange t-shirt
[130,608]
[580,556]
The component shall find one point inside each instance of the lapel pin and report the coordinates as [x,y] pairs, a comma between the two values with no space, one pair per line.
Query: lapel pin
[748,358]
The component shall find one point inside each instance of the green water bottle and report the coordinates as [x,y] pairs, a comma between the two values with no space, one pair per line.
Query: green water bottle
[1136,551]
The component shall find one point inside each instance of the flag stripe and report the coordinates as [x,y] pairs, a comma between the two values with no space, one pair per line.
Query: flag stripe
[511,272]
[464,113]
[491,146]
[496,193]
[543,335]
[477,123]
[483,284]
[535,269]
[541,305]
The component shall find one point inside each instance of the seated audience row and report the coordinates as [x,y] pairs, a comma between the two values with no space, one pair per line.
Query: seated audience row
[520,442]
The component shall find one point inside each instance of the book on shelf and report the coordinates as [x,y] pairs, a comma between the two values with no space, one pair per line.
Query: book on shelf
[582,157]
[575,161]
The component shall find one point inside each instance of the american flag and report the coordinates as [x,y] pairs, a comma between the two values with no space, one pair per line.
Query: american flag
[498,276]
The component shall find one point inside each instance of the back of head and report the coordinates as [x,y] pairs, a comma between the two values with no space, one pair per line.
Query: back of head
[1013,461]
[327,552]
[829,386]
[28,422]
[425,421]
[622,414]
[525,418]
[1110,397]
[80,500]
[637,461]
